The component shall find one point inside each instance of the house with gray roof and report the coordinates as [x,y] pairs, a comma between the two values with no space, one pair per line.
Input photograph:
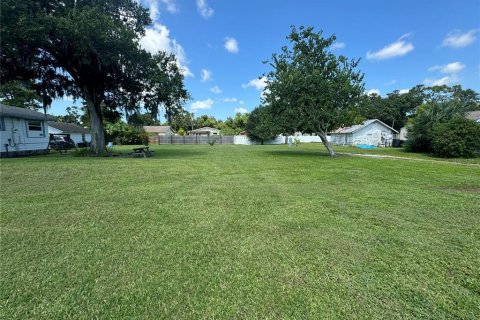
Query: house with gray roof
[22,131]
[159,130]
[371,132]
[77,133]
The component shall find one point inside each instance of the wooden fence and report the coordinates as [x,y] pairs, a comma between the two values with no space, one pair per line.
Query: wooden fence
[194,139]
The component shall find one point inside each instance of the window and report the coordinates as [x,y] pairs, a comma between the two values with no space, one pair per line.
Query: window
[34,126]
[2,125]
[34,129]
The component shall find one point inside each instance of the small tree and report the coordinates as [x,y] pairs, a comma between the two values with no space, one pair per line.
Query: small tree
[260,126]
[457,138]
[310,89]
[125,134]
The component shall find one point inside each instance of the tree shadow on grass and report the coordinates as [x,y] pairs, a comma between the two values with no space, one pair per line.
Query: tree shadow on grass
[157,153]
[176,153]
[302,153]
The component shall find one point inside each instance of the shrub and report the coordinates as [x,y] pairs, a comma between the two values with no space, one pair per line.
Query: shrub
[182,132]
[122,133]
[420,129]
[457,138]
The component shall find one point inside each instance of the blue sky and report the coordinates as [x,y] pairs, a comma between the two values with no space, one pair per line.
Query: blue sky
[221,44]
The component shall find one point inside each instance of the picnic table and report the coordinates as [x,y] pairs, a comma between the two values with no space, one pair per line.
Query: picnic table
[61,147]
[141,151]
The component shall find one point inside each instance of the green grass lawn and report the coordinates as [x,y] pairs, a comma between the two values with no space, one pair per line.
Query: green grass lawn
[231,232]
[402,153]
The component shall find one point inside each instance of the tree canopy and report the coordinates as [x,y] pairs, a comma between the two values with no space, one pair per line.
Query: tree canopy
[261,125]
[88,49]
[310,89]
[396,108]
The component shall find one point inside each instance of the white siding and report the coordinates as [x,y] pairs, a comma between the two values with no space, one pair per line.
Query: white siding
[374,134]
[16,137]
[341,138]
[278,140]
[76,137]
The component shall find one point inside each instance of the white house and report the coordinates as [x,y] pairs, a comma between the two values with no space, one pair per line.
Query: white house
[370,132]
[205,131]
[22,132]
[77,133]
[159,130]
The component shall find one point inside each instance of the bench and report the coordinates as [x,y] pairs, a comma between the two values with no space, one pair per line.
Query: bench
[141,152]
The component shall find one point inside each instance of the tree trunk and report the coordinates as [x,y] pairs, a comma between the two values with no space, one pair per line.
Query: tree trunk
[325,142]
[96,125]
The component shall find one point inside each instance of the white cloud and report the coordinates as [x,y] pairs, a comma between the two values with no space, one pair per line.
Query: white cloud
[157,38]
[259,83]
[241,102]
[402,91]
[154,10]
[230,100]
[457,39]
[338,45]
[154,7]
[202,104]
[206,75]
[447,80]
[241,110]
[396,49]
[204,9]
[231,45]
[373,91]
[216,89]
[389,83]
[171,6]
[449,68]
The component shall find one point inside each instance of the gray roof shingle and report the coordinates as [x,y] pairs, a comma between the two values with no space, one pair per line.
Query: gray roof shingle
[22,113]
[157,129]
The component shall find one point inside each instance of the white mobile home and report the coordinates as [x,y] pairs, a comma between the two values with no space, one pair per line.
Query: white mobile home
[205,131]
[77,133]
[22,132]
[371,132]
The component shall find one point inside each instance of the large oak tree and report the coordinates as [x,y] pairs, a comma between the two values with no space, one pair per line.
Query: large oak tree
[93,43]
